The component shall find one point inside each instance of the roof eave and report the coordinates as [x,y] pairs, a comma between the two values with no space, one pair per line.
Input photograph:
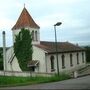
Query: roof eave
[24,27]
[65,51]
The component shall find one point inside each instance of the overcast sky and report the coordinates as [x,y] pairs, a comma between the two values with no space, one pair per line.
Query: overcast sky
[74,15]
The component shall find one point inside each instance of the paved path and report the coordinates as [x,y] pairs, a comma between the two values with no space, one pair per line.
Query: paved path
[78,83]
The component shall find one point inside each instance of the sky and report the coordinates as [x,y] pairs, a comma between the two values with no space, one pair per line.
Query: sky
[74,15]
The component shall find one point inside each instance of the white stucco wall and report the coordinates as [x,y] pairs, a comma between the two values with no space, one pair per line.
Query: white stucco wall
[38,35]
[39,54]
[14,66]
[44,61]
[16,32]
[67,62]
[49,63]
[8,56]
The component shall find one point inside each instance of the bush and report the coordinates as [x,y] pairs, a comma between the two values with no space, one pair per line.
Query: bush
[87,54]
[1,58]
[1,64]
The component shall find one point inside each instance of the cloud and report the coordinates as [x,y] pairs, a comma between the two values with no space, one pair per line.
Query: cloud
[74,15]
[6,23]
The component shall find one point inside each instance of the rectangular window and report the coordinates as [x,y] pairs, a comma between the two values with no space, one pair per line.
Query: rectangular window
[32,35]
[63,61]
[77,58]
[36,36]
[52,63]
[82,57]
[71,60]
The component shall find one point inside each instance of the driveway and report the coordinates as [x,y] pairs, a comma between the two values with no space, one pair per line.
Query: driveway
[78,83]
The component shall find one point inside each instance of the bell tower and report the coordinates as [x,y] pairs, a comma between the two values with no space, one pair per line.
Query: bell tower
[26,21]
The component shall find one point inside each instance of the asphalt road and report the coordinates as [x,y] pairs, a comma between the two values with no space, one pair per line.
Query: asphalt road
[78,83]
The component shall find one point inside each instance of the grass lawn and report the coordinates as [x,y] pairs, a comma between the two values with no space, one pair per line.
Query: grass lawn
[14,81]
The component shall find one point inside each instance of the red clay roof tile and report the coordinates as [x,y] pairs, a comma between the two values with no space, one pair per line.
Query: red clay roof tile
[62,47]
[25,20]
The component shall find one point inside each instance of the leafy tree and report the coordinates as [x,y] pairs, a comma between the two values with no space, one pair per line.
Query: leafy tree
[1,51]
[1,58]
[87,53]
[23,48]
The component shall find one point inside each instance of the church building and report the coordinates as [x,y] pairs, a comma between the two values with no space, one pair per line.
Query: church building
[70,56]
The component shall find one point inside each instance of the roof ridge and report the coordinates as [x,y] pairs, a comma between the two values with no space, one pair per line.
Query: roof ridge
[53,42]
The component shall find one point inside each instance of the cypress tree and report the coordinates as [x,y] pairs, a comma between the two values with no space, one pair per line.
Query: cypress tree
[23,48]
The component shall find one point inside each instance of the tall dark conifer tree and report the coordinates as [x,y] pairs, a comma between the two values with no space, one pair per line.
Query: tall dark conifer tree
[23,48]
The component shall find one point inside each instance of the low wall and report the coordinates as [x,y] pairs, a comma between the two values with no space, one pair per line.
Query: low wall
[24,74]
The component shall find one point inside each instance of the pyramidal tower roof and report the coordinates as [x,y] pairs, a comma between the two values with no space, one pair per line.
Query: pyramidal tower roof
[25,20]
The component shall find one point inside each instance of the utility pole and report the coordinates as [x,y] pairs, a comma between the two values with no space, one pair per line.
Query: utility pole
[4,52]
[56,47]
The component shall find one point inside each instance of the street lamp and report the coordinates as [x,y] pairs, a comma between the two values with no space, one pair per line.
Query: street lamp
[57,24]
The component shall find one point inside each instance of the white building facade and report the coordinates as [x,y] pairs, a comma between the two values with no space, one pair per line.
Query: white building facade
[67,60]
[70,57]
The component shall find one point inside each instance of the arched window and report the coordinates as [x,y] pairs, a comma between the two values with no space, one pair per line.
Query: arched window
[52,63]
[63,61]
[77,58]
[82,57]
[36,36]
[33,35]
[71,60]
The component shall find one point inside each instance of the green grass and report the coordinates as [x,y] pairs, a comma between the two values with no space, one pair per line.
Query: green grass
[14,81]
